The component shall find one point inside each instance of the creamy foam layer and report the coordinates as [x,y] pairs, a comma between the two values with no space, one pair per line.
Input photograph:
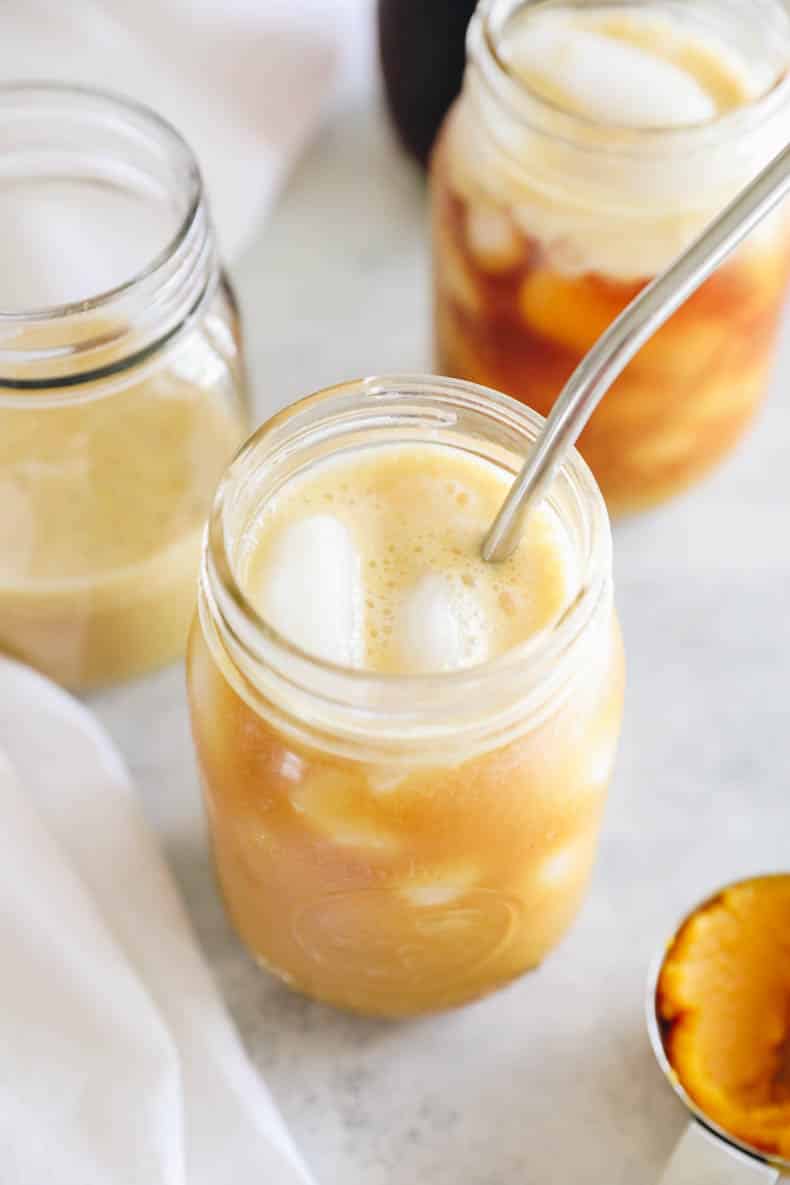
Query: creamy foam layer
[372,561]
[635,69]
[601,74]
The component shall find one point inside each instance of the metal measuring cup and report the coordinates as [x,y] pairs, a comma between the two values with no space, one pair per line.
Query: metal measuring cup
[705,1154]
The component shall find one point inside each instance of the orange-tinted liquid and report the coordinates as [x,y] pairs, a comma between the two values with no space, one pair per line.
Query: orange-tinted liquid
[406,879]
[514,323]
[399,899]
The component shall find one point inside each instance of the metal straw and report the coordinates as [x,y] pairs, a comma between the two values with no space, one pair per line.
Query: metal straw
[616,347]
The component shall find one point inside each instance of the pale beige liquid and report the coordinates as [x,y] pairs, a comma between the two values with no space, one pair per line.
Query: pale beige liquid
[102,506]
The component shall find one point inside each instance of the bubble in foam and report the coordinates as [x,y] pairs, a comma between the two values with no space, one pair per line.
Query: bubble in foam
[441,626]
[604,78]
[312,590]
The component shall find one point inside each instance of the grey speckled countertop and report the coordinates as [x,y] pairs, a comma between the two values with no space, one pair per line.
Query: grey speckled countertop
[551,1082]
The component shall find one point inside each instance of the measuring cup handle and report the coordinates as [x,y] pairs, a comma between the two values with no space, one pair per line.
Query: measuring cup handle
[702,1159]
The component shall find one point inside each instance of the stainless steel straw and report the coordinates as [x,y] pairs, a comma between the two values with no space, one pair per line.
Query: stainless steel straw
[616,347]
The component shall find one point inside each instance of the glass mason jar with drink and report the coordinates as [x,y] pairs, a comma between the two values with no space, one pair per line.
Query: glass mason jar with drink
[404,751]
[589,146]
[121,383]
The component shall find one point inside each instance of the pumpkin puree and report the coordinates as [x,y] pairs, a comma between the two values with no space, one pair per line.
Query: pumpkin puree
[723,1003]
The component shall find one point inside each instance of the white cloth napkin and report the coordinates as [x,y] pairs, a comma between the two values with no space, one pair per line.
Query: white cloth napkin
[245,81]
[118,1062]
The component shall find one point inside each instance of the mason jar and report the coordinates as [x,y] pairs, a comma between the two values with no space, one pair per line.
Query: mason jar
[549,218]
[391,843]
[121,383]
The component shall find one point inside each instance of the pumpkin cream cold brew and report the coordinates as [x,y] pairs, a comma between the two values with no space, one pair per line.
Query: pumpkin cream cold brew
[405,784]
[590,145]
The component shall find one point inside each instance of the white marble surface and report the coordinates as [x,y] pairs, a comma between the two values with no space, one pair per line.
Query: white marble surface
[552,1081]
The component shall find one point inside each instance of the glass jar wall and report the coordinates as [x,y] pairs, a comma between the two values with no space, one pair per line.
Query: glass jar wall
[391,843]
[121,384]
[561,185]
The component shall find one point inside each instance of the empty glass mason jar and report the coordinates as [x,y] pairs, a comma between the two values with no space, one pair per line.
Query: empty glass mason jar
[589,146]
[121,383]
[398,843]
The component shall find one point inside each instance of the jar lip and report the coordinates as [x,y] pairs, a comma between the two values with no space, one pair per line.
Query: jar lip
[167,135]
[530,105]
[264,643]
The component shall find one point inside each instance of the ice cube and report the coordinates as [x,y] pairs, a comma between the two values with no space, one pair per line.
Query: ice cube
[427,895]
[312,590]
[442,626]
[456,276]
[492,239]
[567,864]
[604,78]
[559,867]
[446,886]
[67,242]
[329,799]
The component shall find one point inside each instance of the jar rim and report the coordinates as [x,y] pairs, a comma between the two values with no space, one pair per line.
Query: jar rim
[560,123]
[249,637]
[167,134]
[169,286]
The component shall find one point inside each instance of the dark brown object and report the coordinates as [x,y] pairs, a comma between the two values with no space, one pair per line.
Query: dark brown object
[422,51]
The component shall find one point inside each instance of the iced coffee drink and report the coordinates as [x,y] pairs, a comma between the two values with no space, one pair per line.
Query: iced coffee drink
[590,145]
[405,751]
[121,384]
[104,501]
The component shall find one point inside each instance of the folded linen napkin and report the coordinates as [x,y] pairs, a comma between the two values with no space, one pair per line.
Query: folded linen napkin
[245,81]
[118,1062]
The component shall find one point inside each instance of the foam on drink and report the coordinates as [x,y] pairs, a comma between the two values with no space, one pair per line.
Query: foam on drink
[614,71]
[635,69]
[373,561]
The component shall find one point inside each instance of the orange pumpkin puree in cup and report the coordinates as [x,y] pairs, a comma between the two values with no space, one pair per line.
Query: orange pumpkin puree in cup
[723,1003]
